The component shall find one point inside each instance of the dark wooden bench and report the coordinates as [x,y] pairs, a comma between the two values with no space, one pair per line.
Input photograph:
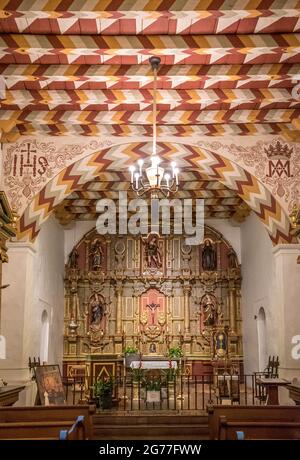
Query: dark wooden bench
[254,422]
[43,422]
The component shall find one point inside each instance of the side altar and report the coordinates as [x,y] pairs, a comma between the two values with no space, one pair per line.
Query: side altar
[151,293]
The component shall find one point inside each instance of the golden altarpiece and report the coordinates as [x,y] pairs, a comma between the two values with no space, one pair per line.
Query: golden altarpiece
[152,293]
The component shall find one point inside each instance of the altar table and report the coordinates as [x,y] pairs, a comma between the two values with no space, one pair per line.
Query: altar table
[153,365]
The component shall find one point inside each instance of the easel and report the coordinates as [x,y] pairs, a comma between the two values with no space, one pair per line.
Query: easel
[33,364]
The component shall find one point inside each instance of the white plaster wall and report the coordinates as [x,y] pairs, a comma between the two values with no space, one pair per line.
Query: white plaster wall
[258,290]
[35,274]
[48,292]
[287,302]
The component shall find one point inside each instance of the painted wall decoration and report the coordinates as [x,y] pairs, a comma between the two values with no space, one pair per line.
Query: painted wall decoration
[29,164]
[275,163]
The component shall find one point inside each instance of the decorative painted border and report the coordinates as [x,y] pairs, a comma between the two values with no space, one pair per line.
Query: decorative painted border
[72,178]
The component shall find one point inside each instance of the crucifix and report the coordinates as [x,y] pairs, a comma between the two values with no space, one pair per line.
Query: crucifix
[152,307]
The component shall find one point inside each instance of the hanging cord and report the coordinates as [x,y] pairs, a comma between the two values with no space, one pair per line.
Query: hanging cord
[154,61]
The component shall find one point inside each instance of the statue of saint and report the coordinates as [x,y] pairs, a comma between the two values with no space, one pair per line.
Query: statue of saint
[96,255]
[209,256]
[210,311]
[153,254]
[232,259]
[97,311]
[73,259]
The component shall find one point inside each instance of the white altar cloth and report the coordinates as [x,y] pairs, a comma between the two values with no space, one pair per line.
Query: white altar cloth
[153,365]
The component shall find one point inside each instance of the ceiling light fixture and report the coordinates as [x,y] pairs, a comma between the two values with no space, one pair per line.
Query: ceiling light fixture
[154,179]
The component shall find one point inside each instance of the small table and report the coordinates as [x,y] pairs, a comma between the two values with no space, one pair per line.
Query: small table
[9,395]
[294,392]
[272,386]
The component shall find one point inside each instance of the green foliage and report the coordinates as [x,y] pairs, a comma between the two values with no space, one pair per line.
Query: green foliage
[137,375]
[130,351]
[171,374]
[103,387]
[175,352]
[153,385]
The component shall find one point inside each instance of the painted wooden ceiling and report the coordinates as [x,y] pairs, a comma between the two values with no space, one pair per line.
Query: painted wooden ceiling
[220,202]
[82,67]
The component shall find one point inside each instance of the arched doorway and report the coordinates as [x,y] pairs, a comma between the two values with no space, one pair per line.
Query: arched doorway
[44,347]
[262,339]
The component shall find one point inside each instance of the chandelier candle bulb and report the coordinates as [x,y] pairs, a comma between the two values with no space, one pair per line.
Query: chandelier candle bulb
[173,164]
[131,169]
[137,179]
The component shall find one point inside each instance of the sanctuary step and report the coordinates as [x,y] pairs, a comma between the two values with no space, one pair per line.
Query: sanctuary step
[150,426]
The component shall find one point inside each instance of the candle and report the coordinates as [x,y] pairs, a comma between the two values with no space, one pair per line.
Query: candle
[137,179]
[173,164]
[131,169]
[176,175]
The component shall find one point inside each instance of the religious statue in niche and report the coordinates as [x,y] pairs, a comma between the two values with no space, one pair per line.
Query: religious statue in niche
[152,250]
[73,259]
[97,311]
[209,256]
[220,344]
[232,259]
[96,255]
[210,310]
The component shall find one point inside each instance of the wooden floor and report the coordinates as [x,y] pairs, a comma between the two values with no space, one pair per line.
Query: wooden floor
[157,425]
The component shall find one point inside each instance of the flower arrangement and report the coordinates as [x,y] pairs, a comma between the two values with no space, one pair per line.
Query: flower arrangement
[130,351]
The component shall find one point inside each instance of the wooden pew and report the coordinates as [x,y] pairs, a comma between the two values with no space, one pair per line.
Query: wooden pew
[42,422]
[255,422]
[77,431]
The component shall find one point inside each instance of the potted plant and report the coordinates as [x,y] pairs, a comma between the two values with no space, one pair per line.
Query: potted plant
[175,352]
[131,354]
[103,392]
[153,391]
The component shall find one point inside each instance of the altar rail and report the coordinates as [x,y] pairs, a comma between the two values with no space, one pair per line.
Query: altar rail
[180,393]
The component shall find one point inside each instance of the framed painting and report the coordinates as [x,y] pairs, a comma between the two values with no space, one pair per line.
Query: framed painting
[49,385]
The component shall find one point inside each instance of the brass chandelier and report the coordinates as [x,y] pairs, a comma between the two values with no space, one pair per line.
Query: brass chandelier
[154,179]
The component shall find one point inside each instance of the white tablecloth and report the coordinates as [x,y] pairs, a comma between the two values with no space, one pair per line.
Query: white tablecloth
[153,365]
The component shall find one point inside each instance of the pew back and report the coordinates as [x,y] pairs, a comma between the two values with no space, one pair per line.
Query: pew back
[42,422]
[257,422]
